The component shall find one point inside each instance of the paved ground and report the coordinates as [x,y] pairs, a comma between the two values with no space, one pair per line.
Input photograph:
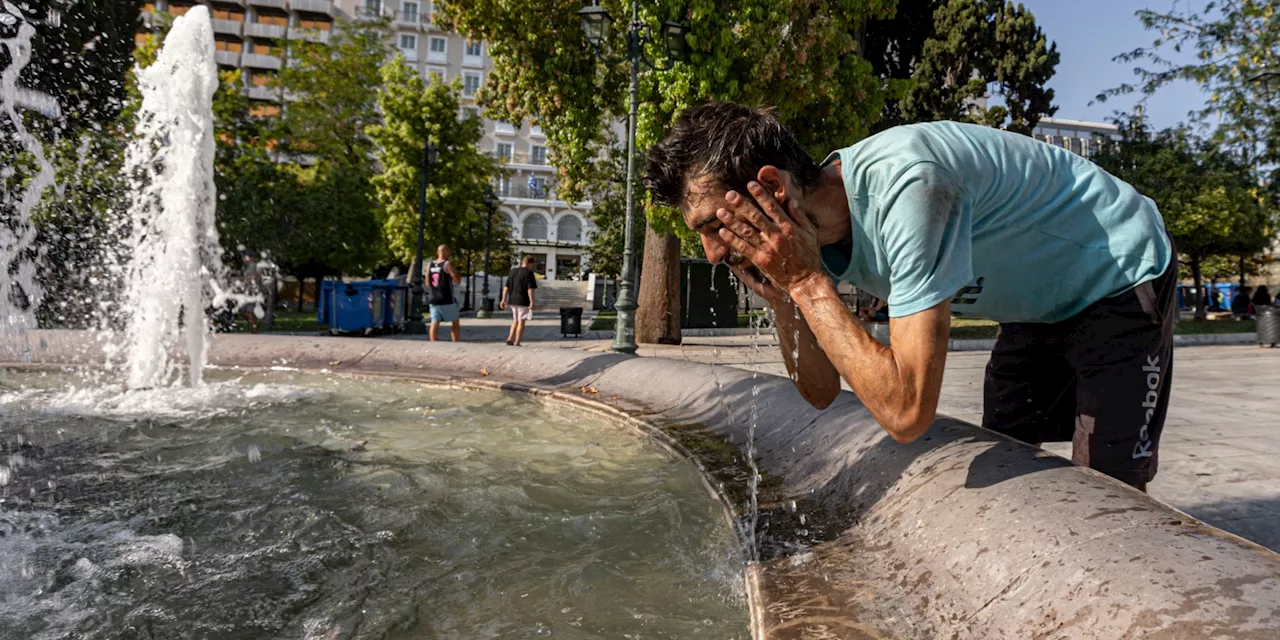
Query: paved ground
[1220,454]
[544,328]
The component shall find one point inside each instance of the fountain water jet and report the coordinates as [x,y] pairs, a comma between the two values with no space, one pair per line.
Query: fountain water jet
[173,241]
[19,293]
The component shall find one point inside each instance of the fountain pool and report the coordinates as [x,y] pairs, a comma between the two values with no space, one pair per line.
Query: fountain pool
[292,505]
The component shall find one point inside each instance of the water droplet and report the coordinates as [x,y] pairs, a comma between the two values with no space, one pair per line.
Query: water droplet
[254,454]
[5,476]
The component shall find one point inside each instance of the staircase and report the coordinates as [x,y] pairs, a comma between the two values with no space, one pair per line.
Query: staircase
[553,294]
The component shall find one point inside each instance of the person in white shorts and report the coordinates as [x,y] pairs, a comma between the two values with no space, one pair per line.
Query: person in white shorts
[518,294]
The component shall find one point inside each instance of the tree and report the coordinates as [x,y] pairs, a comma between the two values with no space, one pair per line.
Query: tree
[978,44]
[415,114]
[797,56]
[81,57]
[1233,40]
[1207,195]
[893,46]
[333,223]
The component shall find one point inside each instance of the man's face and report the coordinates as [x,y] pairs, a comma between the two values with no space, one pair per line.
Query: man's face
[703,198]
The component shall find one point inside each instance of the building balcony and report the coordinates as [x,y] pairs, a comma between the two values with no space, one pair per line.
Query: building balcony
[273,4]
[372,13]
[227,58]
[523,161]
[323,7]
[309,35]
[260,61]
[263,30]
[262,92]
[227,27]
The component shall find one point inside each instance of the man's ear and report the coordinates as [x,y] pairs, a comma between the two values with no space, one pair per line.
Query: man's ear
[774,181]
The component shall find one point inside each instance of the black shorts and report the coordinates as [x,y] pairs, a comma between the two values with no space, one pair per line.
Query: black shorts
[1099,379]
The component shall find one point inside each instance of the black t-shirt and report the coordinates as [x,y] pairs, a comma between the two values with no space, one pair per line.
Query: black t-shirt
[519,282]
[440,283]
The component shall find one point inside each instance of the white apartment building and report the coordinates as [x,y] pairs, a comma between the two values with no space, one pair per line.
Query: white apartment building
[1077,136]
[553,231]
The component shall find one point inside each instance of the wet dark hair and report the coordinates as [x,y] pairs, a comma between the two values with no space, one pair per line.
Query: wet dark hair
[729,142]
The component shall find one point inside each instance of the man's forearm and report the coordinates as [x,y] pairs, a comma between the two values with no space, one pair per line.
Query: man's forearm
[903,399]
[812,372]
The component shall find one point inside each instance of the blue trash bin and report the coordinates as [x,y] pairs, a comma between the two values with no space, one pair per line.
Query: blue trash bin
[354,308]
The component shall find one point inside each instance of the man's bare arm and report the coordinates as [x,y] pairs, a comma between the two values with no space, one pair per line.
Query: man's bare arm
[899,385]
[814,377]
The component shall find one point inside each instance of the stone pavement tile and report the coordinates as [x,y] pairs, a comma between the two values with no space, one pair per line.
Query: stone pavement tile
[1216,472]
[1203,450]
[1264,530]
[1214,502]
[1256,444]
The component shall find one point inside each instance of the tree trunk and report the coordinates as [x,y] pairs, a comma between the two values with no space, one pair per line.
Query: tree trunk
[1242,283]
[302,282]
[658,315]
[1197,281]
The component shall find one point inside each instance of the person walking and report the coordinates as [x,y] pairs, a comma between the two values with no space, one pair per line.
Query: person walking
[444,308]
[518,294]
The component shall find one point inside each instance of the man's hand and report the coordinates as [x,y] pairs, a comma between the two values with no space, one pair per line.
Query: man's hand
[782,245]
[503,304]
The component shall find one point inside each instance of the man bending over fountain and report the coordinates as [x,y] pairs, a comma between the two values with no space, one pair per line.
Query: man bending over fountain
[944,219]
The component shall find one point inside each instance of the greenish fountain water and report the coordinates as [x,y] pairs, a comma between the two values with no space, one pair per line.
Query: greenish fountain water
[288,505]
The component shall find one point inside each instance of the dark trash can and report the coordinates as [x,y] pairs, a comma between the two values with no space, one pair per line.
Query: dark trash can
[1269,326]
[487,305]
[570,321]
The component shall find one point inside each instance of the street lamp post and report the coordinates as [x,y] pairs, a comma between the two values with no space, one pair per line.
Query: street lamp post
[595,24]
[490,203]
[415,324]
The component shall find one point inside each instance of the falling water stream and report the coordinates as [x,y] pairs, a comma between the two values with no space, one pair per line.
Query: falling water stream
[19,292]
[173,245]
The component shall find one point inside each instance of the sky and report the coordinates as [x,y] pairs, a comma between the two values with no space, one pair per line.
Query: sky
[1088,34]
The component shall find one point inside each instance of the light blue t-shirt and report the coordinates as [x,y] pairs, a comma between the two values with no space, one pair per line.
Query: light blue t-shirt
[1006,227]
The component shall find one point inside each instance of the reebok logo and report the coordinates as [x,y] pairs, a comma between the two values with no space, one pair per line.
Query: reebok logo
[1149,402]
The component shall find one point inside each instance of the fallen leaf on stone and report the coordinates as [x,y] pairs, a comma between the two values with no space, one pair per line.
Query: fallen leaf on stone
[591,390]
[484,372]
[335,363]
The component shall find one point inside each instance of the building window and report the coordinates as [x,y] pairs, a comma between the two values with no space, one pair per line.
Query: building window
[433,75]
[408,42]
[470,84]
[437,49]
[504,128]
[537,187]
[503,186]
[503,150]
[535,227]
[410,12]
[538,155]
[473,48]
[569,229]
[372,7]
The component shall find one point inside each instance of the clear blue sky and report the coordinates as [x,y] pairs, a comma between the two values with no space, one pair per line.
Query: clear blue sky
[1089,33]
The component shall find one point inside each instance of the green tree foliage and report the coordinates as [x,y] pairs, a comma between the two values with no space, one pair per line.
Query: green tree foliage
[979,45]
[416,113]
[1208,196]
[330,220]
[1233,40]
[81,54]
[799,56]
